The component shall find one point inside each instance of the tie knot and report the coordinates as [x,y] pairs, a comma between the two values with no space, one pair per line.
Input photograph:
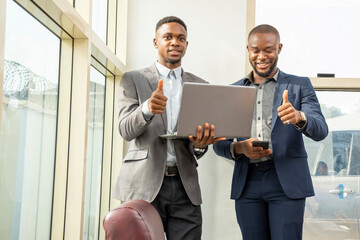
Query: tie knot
[172,75]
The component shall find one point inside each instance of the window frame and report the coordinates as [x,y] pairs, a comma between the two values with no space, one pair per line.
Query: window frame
[345,84]
[80,47]
[2,48]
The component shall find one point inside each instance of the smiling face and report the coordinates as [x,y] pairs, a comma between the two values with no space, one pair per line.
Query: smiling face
[264,49]
[171,43]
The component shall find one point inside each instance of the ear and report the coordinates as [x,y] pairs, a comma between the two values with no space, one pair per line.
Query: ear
[155,43]
[280,47]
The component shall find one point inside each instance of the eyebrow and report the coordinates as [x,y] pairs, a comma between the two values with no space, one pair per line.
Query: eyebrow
[270,47]
[172,34]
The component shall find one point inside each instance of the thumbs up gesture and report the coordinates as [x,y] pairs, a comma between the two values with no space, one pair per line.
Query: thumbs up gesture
[287,113]
[157,101]
[285,97]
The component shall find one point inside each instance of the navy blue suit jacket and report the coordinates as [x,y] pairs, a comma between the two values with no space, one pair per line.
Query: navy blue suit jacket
[289,153]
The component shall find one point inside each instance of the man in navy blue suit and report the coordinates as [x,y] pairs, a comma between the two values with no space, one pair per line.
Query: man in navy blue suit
[270,185]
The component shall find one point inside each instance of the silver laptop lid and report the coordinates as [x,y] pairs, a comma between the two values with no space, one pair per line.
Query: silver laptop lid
[230,108]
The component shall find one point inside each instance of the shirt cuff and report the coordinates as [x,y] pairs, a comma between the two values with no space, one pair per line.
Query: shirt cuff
[199,151]
[301,128]
[145,111]
[232,150]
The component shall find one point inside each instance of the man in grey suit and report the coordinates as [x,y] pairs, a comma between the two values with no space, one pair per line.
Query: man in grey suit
[162,171]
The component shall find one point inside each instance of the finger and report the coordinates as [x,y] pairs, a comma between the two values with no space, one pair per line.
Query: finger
[199,132]
[284,112]
[219,139]
[212,131]
[157,104]
[285,97]
[160,86]
[206,130]
[196,139]
[158,107]
[211,135]
[206,139]
[159,99]
[260,153]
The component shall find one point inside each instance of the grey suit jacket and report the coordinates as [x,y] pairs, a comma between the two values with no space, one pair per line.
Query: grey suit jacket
[143,167]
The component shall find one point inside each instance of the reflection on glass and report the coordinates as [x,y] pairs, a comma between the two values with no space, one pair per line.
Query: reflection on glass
[313,39]
[94,154]
[99,18]
[335,165]
[342,113]
[28,126]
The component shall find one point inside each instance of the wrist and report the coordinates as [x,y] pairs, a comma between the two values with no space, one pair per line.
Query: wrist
[238,148]
[198,146]
[303,120]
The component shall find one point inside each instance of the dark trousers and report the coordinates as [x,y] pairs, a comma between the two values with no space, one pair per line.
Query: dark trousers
[181,219]
[263,211]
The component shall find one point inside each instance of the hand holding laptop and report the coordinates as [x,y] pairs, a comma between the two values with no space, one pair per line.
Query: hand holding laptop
[202,140]
[157,101]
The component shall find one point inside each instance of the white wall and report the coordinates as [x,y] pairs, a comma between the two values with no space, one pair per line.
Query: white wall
[216,52]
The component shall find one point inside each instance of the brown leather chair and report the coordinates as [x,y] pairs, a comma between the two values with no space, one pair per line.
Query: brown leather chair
[133,220]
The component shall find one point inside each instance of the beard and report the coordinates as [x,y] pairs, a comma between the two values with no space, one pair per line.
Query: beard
[267,73]
[173,61]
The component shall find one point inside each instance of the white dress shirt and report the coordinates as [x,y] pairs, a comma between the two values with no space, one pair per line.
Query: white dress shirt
[172,89]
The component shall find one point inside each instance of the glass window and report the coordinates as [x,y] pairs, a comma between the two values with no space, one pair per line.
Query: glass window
[99,18]
[28,126]
[339,153]
[335,166]
[315,35]
[94,154]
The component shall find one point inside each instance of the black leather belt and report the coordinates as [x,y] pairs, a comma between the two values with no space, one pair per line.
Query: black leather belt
[171,171]
[269,162]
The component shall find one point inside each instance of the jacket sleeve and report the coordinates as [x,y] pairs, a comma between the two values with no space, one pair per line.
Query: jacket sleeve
[222,148]
[316,127]
[131,120]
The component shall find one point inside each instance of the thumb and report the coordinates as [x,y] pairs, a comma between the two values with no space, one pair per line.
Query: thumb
[160,86]
[285,97]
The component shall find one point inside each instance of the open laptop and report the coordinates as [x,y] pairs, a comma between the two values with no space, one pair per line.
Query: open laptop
[230,108]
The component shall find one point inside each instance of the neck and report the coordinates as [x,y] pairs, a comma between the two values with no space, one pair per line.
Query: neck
[170,65]
[259,79]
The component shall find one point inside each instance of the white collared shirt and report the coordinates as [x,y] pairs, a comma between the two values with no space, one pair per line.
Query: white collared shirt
[172,89]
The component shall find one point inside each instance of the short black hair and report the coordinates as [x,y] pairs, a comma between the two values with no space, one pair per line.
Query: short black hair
[170,19]
[264,28]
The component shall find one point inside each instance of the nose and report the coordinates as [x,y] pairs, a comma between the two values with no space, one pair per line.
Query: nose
[262,55]
[174,42]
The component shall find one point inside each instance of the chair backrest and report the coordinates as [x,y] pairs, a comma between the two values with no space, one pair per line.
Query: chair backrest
[134,220]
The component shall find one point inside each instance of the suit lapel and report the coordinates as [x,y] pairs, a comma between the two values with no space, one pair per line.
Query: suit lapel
[153,77]
[281,85]
[188,77]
